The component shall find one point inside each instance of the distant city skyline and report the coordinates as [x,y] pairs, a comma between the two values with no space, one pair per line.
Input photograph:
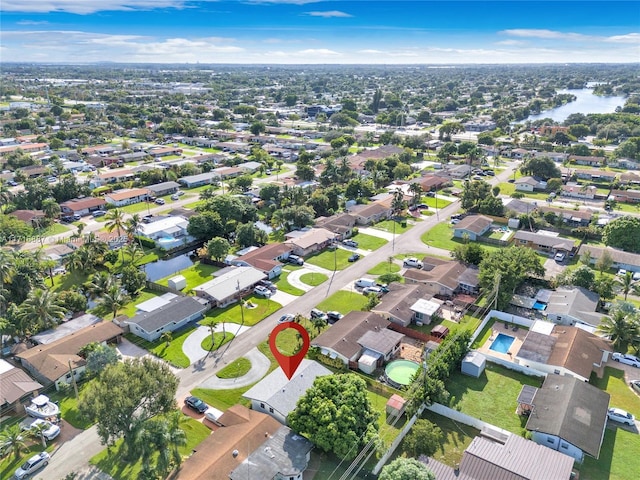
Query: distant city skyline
[319,32]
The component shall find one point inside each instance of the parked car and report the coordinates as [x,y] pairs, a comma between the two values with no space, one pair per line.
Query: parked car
[66,218]
[32,465]
[52,179]
[50,431]
[412,262]
[99,213]
[159,201]
[350,243]
[316,313]
[621,272]
[194,403]
[180,193]
[295,259]
[430,194]
[12,183]
[635,385]
[213,415]
[334,316]
[627,359]
[270,285]
[375,290]
[423,206]
[560,256]
[382,286]
[636,276]
[413,208]
[262,291]
[175,196]
[287,317]
[454,221]
[354,258]
[622,416]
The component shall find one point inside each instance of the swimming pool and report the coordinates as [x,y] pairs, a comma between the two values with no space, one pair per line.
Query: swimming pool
[400,372]
[502,343]
[539,306]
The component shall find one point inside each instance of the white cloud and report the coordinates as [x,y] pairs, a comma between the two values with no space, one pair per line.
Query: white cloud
[329,14]
[370,51]
[31,22]
[511,42]
[319,51]
[633,38]
[547,34]
[84,7]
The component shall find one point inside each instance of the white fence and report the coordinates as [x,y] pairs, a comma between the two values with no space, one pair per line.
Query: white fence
[513,366]
[457,416]
[397,440]
[504,317]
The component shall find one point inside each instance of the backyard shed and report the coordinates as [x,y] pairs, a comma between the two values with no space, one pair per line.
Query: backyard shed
[178,282]
[440,331]
[473,364]
[395,406]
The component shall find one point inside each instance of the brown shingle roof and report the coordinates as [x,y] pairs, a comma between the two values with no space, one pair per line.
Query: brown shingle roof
[474,223]
[577,350]
[16,384]
[343,336]
[129,193]
[82,203]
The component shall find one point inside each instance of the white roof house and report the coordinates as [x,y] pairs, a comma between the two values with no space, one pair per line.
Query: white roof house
[227,287]
[171,226]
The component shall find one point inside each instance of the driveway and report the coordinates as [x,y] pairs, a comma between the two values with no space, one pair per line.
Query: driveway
[552,268]
[192,346]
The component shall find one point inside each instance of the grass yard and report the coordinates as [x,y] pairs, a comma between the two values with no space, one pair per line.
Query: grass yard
[435,202]
[614,384]
[387,226]
[54,229]
[9,464]
[69,279]
[492,397]
[343,302]
[234,313]
[236,369]
[219,339]
[144,295]
[369,242]
[69,408]
[313,279]
[618,457]
[384,267]
[456,438]
[283,284]
[171,353]
[196,274]
[337,259]
[110,460]
[507,189]
[441,236]
[386,432]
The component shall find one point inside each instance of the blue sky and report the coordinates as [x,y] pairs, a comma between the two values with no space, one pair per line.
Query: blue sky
[316,31]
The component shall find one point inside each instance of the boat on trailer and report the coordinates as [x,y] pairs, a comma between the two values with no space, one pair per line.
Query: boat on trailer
[42,407]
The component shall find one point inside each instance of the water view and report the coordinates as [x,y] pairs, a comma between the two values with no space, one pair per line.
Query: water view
[163,268]
[586,102]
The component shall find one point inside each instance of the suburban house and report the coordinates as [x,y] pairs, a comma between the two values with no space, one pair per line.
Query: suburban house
[165,226]
[158,151]
[127,196]
[230,285]
[228,172]
[115,176]
[367,214]
[340,224]
[50,363]
[432,183]
[193,181]
[573,218]
[562,350]
[268,259]
[529,184]
[573,305]
[164,188]
[249,167]
[17,388]
[33,218]
[583,192]
[621,259]
[624,163]
[170,317]
[249,445]
[595,175]
[458,171]
[309,240]
[82,206]
[625,196]
[341,340]
[406,304]
[277,396]
[544,241]
[504,456]
[568,415]
[378,347]
[472,227]
[444,277]
[589,161]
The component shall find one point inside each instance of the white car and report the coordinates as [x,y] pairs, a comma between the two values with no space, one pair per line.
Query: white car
[412,262]
[627,359]
[622,272]
[262,291]
[560,256]
[32,465]
[50,432]
[622,416]
[287,317]
[375,290]
[635,385]
[213,415]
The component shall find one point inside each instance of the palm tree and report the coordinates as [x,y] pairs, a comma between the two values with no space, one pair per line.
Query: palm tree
[5,194]
[41,309]
[51,208]
[133,251]
[12,441]
[166,337]
[621,327]
[37,431]
[115,221]
[416,190]
[7,266]
[114,299]
[397,204]
[626,283]
[132,226]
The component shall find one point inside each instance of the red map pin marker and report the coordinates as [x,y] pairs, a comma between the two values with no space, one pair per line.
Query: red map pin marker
[290,364]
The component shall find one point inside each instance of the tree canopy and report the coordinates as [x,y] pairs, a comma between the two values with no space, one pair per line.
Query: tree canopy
[623,233]
[406,469]
[336,415]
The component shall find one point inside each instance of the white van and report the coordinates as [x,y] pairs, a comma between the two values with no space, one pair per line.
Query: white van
[365,282]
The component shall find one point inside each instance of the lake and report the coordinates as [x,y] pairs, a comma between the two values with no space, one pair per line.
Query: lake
[163,268]
[586,102]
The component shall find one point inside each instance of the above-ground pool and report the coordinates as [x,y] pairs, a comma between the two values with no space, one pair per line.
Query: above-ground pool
[400,372]
[502,343]
[539,306]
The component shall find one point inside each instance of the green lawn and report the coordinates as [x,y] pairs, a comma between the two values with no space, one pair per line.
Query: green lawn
[110,460]
[369,242]
[388,226]
[196,274]
[313,279]
[384,267]
[492,397]
[236,369]
[219,339]
[435,202]
[614,384]
[507,189]
[343,302]
[337,259]
[144,295]
[456,438]
[9,464]
[441,236]
[54,229]
[283,284]
[171,353]
[618,457]
[68,280]
[234,313]
[69,407]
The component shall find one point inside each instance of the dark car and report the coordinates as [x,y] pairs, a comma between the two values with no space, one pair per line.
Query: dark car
[194,403]
[334,316]
[423,206]
[350,243]
[270,285]
[430,194]
[354,258]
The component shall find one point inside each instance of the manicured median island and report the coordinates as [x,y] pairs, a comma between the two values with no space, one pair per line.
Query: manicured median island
[283,284]
[313,279]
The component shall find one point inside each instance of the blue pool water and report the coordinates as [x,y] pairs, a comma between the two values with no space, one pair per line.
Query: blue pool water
[502,343]
[539,306]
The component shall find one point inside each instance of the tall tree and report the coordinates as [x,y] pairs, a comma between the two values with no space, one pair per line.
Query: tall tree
[218,248]
[12,441]
[623,233]
[115,221]
[114,299]
[40,310]
[621,327]
[416,190]
[406,469]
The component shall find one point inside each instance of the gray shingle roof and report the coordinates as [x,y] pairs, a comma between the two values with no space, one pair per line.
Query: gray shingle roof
[175,311]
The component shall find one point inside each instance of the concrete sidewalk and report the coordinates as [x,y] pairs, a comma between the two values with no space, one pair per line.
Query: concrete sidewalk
[260,365]
[192,346]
